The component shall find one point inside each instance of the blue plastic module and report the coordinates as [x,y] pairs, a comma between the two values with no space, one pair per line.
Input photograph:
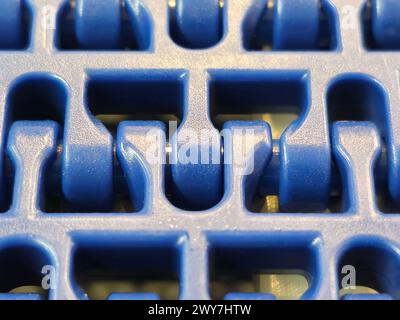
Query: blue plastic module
[199,145]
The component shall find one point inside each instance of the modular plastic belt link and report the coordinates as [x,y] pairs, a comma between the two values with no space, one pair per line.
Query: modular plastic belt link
[269,180]
[32,144]
[129,165]
[206,186]
[297,186]
[269,175]
[193,191]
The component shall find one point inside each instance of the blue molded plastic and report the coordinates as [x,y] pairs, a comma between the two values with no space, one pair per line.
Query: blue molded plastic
[367,297]
[306,26]
[96,181]
[197,24]
[104,25]
[133,296]
[20,296]
[15,16]
[250,296]
[385,23]
[277,25]
[94,28]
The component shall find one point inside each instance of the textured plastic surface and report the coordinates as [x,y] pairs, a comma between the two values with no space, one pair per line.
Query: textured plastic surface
[195,223]
[385,24]
[197,25]
[14,24]
[307,26]
[98,27]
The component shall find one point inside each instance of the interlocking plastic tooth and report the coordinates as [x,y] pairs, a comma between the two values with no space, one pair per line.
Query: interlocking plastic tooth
[296,24]
[356,146]
[140,24]
[31,145]
[104,25]
[254,157]
[98,23]
[12,26]
[134,139]
[291,25]
[196,24]
[196,186]
[385,18]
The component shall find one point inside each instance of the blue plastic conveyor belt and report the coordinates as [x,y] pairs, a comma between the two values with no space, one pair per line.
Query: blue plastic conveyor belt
[199,144]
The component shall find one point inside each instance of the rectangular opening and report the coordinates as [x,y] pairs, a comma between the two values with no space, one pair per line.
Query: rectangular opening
[369,267]
[275,97]
[113,97]
[148,266]
[23,274]
[285,268]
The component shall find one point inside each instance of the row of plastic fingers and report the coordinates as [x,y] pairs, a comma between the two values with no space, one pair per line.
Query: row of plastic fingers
[155,152]
[268,24]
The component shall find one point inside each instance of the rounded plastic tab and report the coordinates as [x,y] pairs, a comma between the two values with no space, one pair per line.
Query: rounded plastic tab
[98,24]
[11,26]
[197,24]
[385,19]
[296,25]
